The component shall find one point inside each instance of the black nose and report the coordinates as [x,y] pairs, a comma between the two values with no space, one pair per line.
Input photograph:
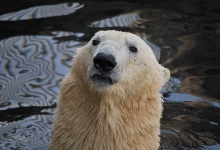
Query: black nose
[104,62]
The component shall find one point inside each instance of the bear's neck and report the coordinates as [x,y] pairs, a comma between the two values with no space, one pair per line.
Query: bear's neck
[106,122]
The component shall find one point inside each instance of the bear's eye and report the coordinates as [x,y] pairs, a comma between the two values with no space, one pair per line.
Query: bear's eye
[95,42]
[133,49]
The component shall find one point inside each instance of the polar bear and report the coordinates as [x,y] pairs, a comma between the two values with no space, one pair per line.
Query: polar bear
[111,98]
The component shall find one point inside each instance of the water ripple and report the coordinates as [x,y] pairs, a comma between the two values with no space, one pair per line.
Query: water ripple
[31,68]
[132,19]
[42,12]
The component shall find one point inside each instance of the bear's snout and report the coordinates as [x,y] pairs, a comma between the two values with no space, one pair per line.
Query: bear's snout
[104,62]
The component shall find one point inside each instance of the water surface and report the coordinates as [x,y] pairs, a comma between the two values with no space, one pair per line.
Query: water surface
[38,39]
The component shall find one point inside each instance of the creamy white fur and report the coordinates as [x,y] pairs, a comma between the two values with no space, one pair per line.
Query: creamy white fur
[122,116]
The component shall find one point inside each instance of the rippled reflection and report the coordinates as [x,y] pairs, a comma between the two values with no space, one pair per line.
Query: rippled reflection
[126,20]
[31,70]
[32,65]
[42,12]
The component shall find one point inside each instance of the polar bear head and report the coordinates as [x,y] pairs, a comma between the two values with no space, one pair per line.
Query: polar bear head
[118,59]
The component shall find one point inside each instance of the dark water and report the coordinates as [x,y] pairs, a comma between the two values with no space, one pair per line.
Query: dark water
[38,38]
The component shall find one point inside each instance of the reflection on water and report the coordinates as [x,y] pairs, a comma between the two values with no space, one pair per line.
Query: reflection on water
[31,70]
[125,20]
[35,53]
[42,12]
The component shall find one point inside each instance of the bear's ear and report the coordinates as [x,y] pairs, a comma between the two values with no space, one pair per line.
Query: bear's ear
[166,74]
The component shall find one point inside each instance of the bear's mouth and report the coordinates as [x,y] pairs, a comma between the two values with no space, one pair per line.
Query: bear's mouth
[101,80]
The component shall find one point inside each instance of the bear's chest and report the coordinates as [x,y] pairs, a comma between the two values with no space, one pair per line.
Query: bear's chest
[86,129]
